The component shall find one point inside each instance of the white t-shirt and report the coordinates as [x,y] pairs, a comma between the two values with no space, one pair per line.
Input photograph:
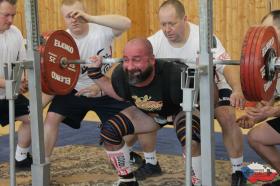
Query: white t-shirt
[11,50]
[98,41]
[163,49]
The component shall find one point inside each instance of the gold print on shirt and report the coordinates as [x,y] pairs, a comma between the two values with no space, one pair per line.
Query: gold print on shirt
[144,103]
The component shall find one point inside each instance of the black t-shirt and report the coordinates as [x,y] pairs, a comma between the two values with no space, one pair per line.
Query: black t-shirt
[163,95]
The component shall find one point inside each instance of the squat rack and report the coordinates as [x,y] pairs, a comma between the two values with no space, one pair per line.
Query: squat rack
[203,75]
[207,93]
[41,170]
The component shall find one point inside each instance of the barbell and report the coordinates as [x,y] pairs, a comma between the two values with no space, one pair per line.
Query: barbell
[55,78]
[60,63]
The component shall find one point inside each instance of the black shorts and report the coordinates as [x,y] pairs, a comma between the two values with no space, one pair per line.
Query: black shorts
[275,124]
[224,97]
[21,109]
[74,108]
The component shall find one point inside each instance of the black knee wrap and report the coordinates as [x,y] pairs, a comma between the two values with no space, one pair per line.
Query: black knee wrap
[181,129]
[115,128]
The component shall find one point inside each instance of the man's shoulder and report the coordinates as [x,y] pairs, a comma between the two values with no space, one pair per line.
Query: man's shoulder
[14,29]
[194,30]
[158,40]
[14,33]
[118,71]
[119,82]
[193,25]
[158,35]
[169,67]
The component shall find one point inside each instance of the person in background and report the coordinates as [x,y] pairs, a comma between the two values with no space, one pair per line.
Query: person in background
[94,36]
[12,50]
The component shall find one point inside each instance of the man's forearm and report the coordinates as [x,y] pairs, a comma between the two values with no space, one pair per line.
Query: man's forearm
[232,75]
[116,22]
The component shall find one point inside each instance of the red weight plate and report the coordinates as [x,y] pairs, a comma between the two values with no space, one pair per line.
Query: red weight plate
[44,84]
[245,62]
[245,70]
[268,39]
[44,77]
[251,65]
[55,78]
[41,49]
[254,67]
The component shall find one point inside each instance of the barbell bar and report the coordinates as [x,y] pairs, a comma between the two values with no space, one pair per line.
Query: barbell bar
[259,62]
[64,62]
[275,61]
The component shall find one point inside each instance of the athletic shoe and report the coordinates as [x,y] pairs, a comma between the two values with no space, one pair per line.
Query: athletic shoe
[24,164]
[238,179]
[147,170]
[135,159]
[126,182]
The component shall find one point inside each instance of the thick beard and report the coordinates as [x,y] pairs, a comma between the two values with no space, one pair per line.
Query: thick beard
[136,76]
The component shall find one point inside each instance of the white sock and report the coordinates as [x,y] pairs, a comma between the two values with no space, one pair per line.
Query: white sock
[150,157]
[196,167]
[21,153]
[236,164]
[120,160]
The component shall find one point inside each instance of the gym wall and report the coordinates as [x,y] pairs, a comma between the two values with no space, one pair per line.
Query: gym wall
[231,18]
